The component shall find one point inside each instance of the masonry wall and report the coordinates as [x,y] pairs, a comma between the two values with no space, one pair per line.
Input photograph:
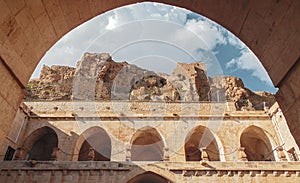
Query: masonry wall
[174,130]
[50,172]
[173,122]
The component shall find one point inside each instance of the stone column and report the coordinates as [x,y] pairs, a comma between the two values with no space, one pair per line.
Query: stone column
[204,155]
[166,154]
[242,154]
[281,154]
[128,153]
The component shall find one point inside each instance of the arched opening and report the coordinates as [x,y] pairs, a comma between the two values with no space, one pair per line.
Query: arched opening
[257,145]
[198,140]
[149,177]
[97,139]
[237,16]
[147,145]
[41,144]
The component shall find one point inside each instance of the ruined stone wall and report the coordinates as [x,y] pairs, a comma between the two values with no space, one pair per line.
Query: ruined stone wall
[17,131]
[193,172]
[286,138]
[174,121]
[74,122]
[97,77]
[49,21]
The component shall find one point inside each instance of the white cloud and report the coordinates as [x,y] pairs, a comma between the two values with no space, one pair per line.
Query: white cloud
[209,33]
[145,11]
[189,40]
[248,61]
[234,41]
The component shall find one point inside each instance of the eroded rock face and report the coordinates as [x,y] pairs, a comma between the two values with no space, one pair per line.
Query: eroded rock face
[55,83]
[191,81]
[94,76]
[230,88]
[154,88]
[97,77]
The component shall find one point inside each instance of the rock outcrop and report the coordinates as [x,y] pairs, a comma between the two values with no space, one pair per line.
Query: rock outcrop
[55,83]
[94,76]
[230,88]
[191,81]
[97,77]
[154,88]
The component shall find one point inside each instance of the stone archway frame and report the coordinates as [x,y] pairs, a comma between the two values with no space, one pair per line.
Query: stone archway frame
[152,169]
[268,28]
[35,134]
[84,135]
[214,135]
[269,139]
[133,137]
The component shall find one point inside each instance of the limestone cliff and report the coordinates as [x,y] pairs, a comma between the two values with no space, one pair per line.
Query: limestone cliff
[230,88]
[98,77]
[55,83]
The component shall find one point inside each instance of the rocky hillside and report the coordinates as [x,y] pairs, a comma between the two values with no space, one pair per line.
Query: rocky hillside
[97,77]
[231,88]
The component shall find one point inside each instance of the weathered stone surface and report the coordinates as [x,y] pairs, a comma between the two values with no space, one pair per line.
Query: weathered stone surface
[232,89]
[97,77]
[94,77]
[251,22]
[174,133]
[192,172]
[278,51]
[55,83]
[154,88]
[191,81]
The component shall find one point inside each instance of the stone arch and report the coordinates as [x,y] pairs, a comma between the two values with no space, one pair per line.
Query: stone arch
[97,139]
[149,177]
[139,170]
[40,144]
[200,138]
[268,28]
[147,145]
[257,144]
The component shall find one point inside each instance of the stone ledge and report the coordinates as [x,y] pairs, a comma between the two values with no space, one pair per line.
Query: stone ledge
[173,166]
[240,173]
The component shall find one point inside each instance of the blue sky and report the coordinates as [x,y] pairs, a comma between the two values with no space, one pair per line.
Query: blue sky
[155,36]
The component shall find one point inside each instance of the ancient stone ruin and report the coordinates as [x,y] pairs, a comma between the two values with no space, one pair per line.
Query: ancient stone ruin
[98,78]
[107,121]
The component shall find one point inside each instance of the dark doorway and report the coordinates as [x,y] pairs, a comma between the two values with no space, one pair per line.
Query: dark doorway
[44,141]
[9,154]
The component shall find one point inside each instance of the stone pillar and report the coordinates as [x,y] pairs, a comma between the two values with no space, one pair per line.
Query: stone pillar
[55,154]
[166,154]
[242,154]
[91,155]
[128,154]
[281,154]
[20,154]
[204,155]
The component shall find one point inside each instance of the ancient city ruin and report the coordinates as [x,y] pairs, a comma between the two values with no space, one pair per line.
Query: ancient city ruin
[112,121]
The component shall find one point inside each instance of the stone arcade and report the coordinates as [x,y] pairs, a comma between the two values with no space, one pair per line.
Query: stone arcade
[165,133]
[179,142]
[269,28]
